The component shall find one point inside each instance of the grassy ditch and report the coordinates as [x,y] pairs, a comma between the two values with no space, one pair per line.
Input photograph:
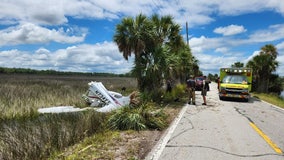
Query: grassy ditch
[270,98]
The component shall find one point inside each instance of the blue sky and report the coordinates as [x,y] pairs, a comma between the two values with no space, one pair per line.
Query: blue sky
[77,35]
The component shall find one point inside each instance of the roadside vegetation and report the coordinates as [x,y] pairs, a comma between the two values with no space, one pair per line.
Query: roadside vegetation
[270,98]
[26,134]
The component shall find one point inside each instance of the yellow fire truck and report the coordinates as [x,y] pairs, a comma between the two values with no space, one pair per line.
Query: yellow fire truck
[235,83]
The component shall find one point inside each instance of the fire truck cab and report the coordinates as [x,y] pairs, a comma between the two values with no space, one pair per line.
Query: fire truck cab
[235,83]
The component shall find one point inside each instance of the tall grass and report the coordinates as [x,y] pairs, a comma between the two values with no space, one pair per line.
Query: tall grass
[40,136]
[26,134]
[22,95]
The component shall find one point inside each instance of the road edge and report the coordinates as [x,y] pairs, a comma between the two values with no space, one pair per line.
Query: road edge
[157,150]
[272,105]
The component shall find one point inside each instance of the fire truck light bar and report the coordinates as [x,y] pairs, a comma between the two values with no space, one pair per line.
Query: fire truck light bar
[236,70]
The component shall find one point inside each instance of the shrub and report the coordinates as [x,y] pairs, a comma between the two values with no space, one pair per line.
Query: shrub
[146,116]
[177,93]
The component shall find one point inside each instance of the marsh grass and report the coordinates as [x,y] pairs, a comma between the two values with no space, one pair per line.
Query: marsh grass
[22,95]
[38,137]
[26,134]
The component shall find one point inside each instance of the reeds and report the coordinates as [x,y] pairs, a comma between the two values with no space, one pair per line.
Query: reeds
[38,137]
[22,95]
[26,134]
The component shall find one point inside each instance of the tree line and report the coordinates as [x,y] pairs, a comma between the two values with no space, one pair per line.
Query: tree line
[6,70]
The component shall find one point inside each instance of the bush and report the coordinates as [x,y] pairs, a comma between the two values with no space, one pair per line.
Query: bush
[146,116]
[177,93]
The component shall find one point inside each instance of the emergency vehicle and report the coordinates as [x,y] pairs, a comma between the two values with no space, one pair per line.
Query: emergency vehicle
[235,83]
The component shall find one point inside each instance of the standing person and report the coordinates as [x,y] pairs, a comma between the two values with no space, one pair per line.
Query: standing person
[207,81]
[204,90]
[190,85]
[218,83]
[169,86]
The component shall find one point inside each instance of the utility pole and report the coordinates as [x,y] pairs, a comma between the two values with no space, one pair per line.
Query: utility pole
[186,34]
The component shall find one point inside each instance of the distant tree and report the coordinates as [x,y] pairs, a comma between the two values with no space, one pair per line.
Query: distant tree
[212,77]
[238,64]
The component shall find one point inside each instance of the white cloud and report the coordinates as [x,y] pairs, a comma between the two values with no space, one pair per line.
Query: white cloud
[280,58]
[196,12]
[205,43]
[212,63]
[101,57]
[280,47]
[230,30]
[222,49]
[274,32]
[230,7]
[280,69]
[29,33]
[255,53]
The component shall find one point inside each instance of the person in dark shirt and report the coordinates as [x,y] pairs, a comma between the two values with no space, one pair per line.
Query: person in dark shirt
[205,88]
[169,86]
[190,85]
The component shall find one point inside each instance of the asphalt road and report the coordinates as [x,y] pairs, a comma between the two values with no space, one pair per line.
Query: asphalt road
[223,130]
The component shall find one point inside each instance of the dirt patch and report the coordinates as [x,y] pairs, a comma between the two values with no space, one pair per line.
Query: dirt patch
[137,144]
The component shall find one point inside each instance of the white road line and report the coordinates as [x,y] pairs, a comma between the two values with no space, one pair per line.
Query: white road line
[158,149]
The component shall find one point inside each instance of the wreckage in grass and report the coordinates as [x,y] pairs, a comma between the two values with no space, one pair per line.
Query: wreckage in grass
[99,98]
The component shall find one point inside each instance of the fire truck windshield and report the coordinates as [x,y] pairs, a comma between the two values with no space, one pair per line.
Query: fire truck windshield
[235,79]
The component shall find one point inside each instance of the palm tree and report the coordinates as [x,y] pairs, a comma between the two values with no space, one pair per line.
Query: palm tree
[131,37]
[167,36]
[158,48]
[187,64]
[270,50]
[263,65]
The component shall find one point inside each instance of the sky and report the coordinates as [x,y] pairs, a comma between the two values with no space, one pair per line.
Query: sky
[77,35]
